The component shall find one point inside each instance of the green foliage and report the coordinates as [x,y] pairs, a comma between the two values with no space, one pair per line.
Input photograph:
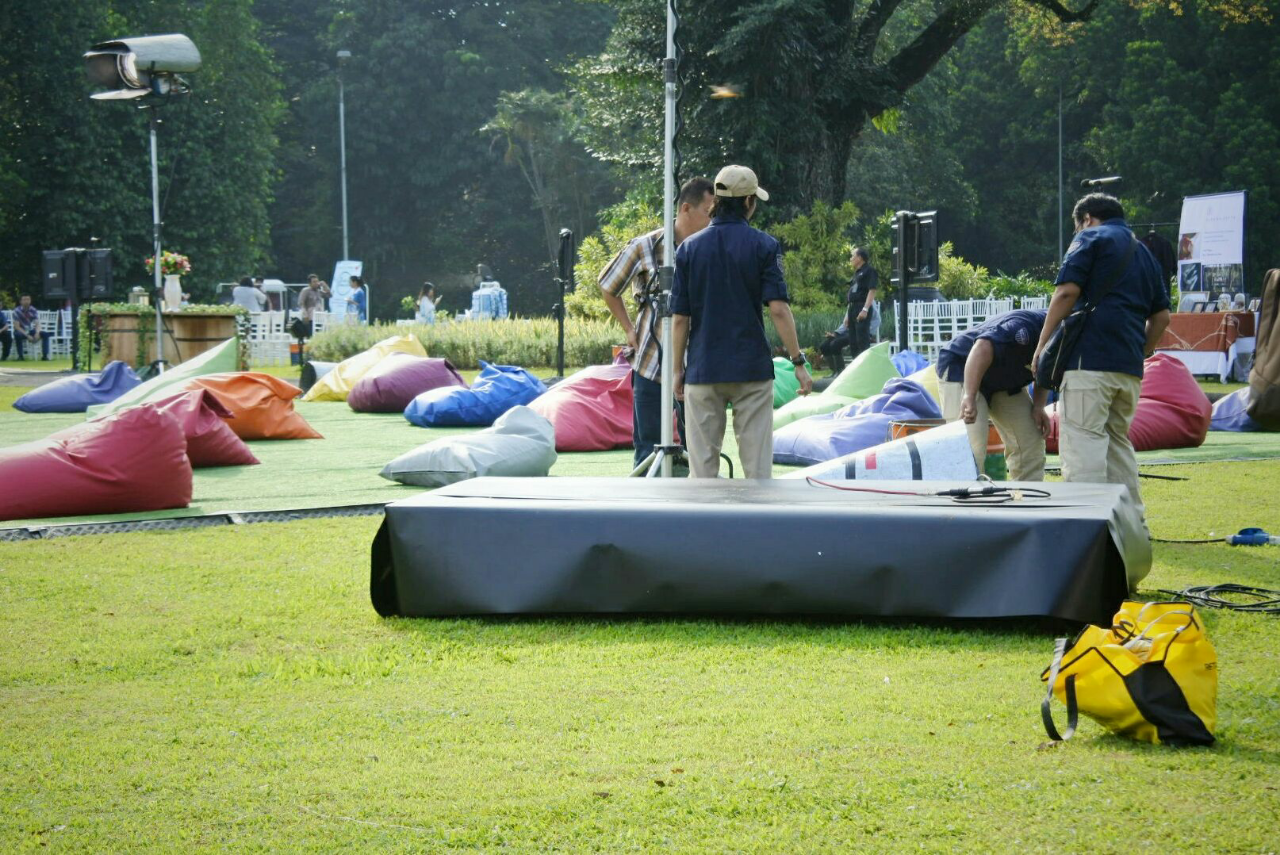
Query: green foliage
[522,341]
[817,248]
[619,224]
[959,280]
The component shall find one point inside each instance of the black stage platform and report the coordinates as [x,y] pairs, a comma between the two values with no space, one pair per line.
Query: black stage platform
[504,546]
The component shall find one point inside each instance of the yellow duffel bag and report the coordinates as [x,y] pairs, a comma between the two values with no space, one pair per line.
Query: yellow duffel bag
[1153,675]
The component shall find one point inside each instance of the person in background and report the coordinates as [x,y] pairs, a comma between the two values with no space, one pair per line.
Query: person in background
[259,282]
[1100,388]
[855,331]
[982,376]
[310,301]
[725,275]
[427,302]
[637,265]
[6,332]
[26,328]
[359,299]
[249,296]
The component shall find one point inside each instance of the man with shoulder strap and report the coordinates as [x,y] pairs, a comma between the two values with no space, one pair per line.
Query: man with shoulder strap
[725,275]
[1100,387]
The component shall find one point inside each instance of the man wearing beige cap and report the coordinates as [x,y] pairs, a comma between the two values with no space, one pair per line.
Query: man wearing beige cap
[725,274]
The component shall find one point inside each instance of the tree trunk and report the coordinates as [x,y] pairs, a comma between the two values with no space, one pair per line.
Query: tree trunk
[821,177]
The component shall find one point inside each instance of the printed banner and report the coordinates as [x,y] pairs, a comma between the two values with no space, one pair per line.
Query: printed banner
[1211,243]
[340,287]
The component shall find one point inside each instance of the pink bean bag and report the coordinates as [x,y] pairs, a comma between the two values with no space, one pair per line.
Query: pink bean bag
[397,379]
[591,410]
[1173,411]
[134,460]
[210,440]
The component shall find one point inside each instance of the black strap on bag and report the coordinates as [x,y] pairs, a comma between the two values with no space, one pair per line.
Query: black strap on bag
[1062,345]
[1069,689]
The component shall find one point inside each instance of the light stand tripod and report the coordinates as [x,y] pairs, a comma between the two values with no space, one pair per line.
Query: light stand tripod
[667,451]
[565,280]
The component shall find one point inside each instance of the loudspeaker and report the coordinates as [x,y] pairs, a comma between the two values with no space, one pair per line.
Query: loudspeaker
[56,280]
[97,281]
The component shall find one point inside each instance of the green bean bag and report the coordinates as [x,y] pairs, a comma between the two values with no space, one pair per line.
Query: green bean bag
[223,358]
[786,388]
[861,379]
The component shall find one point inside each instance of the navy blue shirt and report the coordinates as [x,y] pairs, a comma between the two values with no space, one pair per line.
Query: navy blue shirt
[1116,333]
[725,274]
[1013,337]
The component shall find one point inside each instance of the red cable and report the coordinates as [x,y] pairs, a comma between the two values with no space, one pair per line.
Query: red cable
[812,480]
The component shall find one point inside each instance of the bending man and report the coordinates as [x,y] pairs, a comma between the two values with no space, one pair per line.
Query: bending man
[983,375]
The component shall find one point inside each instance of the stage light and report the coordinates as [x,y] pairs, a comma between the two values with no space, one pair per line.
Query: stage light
[137,67]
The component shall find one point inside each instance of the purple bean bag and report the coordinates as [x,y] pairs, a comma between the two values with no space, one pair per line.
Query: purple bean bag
[860,425]
[77,393]
[397,379]
[1231,412]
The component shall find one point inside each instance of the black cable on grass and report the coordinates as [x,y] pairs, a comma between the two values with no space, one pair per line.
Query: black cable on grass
[1255,600]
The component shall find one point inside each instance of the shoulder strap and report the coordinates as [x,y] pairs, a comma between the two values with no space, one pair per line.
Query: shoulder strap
[1115,274]
[1069,689]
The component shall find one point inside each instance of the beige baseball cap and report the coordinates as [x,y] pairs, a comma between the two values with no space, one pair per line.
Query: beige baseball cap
[739,181]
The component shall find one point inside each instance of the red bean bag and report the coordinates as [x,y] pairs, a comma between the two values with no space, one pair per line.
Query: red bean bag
[134,460]
[210,440]
[261,405]
[591,410]
[397,379]
[1173,411]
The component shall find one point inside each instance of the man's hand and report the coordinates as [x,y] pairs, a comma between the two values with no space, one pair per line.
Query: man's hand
[806,382]
[969,409]
[1035,361]
[1042,420]
[862,316]
[830,335]
[633,340]
[679,386]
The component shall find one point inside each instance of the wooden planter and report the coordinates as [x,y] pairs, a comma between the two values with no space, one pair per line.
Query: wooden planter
[188,333]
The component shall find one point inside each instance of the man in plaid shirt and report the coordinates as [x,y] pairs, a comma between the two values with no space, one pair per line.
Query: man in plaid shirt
[637,264]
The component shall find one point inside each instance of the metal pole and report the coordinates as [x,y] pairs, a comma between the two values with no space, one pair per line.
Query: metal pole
[342,146]
[667,271]
[1060,200]
[155,240]
[903,271]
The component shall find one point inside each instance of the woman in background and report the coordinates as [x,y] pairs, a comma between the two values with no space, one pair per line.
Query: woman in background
[427,302]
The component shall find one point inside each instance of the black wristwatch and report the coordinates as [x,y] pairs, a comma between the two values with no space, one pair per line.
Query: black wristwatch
[797,361]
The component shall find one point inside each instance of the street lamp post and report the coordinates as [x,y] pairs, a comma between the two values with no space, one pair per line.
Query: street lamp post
[343,56]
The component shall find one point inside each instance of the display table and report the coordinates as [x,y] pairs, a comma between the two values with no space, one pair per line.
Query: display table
[187,334]
[1209,342]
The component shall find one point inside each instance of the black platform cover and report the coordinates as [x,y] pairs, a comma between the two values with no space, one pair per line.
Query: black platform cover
[503,546]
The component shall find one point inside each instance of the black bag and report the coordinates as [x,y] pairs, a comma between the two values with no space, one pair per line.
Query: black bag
[1062,344]
[300,329]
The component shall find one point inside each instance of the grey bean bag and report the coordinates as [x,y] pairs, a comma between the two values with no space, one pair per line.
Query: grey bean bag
[520,443]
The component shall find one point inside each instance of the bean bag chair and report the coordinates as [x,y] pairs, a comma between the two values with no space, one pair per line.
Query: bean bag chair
[132,461]
[261,406]
[862,378]
[224,357]
[1231,412]
[786,388]
[928,378]
[496,389]
[520,444]
[591,410]
[859,425]
[908,362]
[1173,411]
[210,440]
[390,385]
[337,384]
[77,393]
[939,454]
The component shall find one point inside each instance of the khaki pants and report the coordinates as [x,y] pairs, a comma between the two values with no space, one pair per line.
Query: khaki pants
[1095,411]
[704,420]
[1011,414]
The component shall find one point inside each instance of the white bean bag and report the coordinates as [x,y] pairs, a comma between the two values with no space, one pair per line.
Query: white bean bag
[520,443]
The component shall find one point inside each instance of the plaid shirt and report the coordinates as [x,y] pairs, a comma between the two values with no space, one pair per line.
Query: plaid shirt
[638,263]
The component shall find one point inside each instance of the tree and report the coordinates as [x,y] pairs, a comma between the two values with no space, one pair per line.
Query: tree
[811,75]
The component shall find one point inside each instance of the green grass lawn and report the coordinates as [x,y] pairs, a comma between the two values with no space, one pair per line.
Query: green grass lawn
[233,688]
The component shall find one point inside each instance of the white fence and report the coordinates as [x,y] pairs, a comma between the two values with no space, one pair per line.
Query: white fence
[931,325]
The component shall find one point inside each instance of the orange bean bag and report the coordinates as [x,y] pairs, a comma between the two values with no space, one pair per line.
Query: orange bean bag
[261,405]
[134,460]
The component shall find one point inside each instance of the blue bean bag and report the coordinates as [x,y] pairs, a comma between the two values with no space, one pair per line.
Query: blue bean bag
[77,393]
[1231,412]
[860,425]
[908,362]
[497,389]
